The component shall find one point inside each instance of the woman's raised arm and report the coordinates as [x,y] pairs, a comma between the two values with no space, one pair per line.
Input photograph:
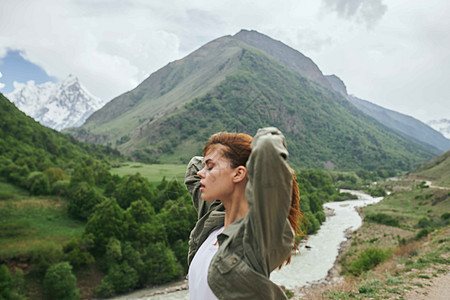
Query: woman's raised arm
[268,193]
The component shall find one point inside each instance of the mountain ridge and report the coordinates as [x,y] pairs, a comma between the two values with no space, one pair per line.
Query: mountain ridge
[246,89]
[290,57]
[401,123]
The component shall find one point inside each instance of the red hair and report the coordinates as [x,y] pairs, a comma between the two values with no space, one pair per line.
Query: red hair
[238,147]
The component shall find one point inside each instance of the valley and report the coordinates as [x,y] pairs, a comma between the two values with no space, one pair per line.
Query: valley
[105,204]
[411,226]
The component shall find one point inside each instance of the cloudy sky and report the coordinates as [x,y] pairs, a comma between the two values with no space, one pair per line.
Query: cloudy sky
[393,53]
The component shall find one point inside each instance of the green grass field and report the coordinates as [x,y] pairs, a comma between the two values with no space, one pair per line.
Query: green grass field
[154,173]
[411,206]
[28,222]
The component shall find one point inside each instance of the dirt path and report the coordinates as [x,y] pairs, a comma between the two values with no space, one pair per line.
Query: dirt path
[430,184]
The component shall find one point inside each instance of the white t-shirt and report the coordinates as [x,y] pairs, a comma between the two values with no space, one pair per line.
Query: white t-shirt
[198,269]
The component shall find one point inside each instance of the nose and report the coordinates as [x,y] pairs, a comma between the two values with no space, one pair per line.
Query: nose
[201,173]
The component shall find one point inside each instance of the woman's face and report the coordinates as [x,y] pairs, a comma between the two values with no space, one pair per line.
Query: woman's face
[217,175]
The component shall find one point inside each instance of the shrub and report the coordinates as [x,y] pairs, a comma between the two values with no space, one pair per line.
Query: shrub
[61,188]
[108,220]
[378,191]
[424,222]
[366,289]
[5,282]
[82,200]
[121,278]
[344,196]
[382,218]
[161,264]
[134,259]
[83,173]
[44,256]
[445,217]
[178,217]
[76,251]
[320,216]
[311,225]
[54,174]
[38,183]
[367,260]
[15,174]
[60,283]
[132,188]
[17,284]
[105,289]
[423,232]
[423,185]
[181,248]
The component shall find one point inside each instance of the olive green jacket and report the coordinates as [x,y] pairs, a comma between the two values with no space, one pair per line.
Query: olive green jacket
[252,247]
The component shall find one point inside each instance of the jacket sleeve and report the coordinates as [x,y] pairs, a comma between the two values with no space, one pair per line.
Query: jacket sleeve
[268,194]
[192,182]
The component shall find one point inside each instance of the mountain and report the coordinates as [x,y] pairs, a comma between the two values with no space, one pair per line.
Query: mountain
[403,124]
[228,84]
[28,144]
[56,105]
[443,126]
[290,57]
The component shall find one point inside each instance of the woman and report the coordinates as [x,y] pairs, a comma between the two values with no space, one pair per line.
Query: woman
[248,216]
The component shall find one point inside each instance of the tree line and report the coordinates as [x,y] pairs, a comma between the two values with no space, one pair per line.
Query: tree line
[136,232]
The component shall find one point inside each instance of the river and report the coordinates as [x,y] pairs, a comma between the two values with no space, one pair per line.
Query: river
[314,260]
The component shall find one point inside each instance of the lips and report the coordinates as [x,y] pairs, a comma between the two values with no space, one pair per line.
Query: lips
[202,187]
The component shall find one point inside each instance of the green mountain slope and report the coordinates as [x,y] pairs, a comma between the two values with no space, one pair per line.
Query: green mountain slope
[27,143]
[320,126]
[437,170]
[230,85]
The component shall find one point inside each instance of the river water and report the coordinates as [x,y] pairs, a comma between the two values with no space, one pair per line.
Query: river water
[316,257]
[313,263]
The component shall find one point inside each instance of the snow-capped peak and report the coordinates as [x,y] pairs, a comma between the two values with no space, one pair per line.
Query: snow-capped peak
[57,105]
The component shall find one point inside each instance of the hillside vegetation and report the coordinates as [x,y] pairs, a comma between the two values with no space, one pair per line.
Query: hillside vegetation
[402,249]
[113,234]
[26,143]
[320,126]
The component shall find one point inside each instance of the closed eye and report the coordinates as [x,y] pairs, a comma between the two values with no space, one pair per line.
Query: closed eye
[209,165]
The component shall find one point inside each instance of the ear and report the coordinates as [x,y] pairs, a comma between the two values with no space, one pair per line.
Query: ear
[240,173]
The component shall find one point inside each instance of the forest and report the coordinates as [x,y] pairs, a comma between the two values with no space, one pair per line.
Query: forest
[134,233]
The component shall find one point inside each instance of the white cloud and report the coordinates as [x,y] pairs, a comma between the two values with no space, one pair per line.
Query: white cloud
[112,46]
[364,11]
[109,50]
